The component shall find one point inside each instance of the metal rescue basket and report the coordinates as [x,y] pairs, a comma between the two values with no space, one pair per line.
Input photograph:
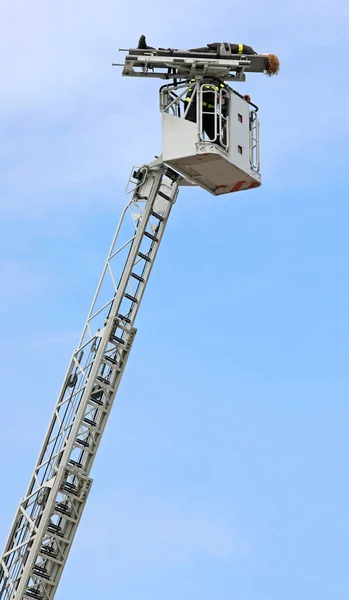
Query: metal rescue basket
[218,149]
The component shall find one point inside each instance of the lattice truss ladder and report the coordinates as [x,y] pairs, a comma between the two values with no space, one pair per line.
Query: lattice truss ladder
[48,516]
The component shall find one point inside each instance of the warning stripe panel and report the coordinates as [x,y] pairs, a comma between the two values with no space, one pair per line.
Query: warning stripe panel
[237,186]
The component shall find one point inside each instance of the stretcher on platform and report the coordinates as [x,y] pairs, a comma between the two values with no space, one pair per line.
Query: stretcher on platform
[184,64]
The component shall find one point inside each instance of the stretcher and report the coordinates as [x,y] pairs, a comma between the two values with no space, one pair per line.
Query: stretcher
[183,64]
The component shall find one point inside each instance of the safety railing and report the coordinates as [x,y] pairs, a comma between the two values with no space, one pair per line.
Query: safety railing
[213,115]
[173,99]
[254,141]
[203,103]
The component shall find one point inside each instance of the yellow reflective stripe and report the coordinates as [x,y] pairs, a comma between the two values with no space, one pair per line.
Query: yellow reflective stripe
[241,48]
[187,99]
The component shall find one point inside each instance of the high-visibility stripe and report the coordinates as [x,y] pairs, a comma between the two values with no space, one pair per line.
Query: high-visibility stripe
[241,48]
[237,186]
[187,99]
[253,185]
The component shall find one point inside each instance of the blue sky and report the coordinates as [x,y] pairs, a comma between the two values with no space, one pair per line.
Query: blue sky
[223,470]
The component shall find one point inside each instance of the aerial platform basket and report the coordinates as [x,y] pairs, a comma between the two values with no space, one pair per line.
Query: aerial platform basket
[219,150]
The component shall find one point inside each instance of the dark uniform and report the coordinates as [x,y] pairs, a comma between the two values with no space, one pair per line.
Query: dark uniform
[215,47]
[232,48]
[208,104]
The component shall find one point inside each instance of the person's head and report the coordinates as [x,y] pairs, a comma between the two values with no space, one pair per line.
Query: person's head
[272,64]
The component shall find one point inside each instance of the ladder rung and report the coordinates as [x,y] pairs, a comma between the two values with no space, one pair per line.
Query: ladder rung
[41,572]
[69,486]
[96,397]
[39,569]
[56,529]
[82,443]
[33,594]
[63,509]
[172,174]
[132,298]
[89,422]
[144,256]
[42,575]
[103,380]
[62,512]
[123,318]
[118,339]
[151,236]
[165,196]
[111,360]
[48,552]
[138,277]
[70,491]
[62,506]
[154,214]
[75,463]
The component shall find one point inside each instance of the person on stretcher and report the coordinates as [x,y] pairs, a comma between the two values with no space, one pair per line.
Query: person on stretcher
[224,49]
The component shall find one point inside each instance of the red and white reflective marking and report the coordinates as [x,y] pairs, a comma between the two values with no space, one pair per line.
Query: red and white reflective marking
[237,187]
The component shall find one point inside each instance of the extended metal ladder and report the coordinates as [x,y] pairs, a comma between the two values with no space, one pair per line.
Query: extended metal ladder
[48,516]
